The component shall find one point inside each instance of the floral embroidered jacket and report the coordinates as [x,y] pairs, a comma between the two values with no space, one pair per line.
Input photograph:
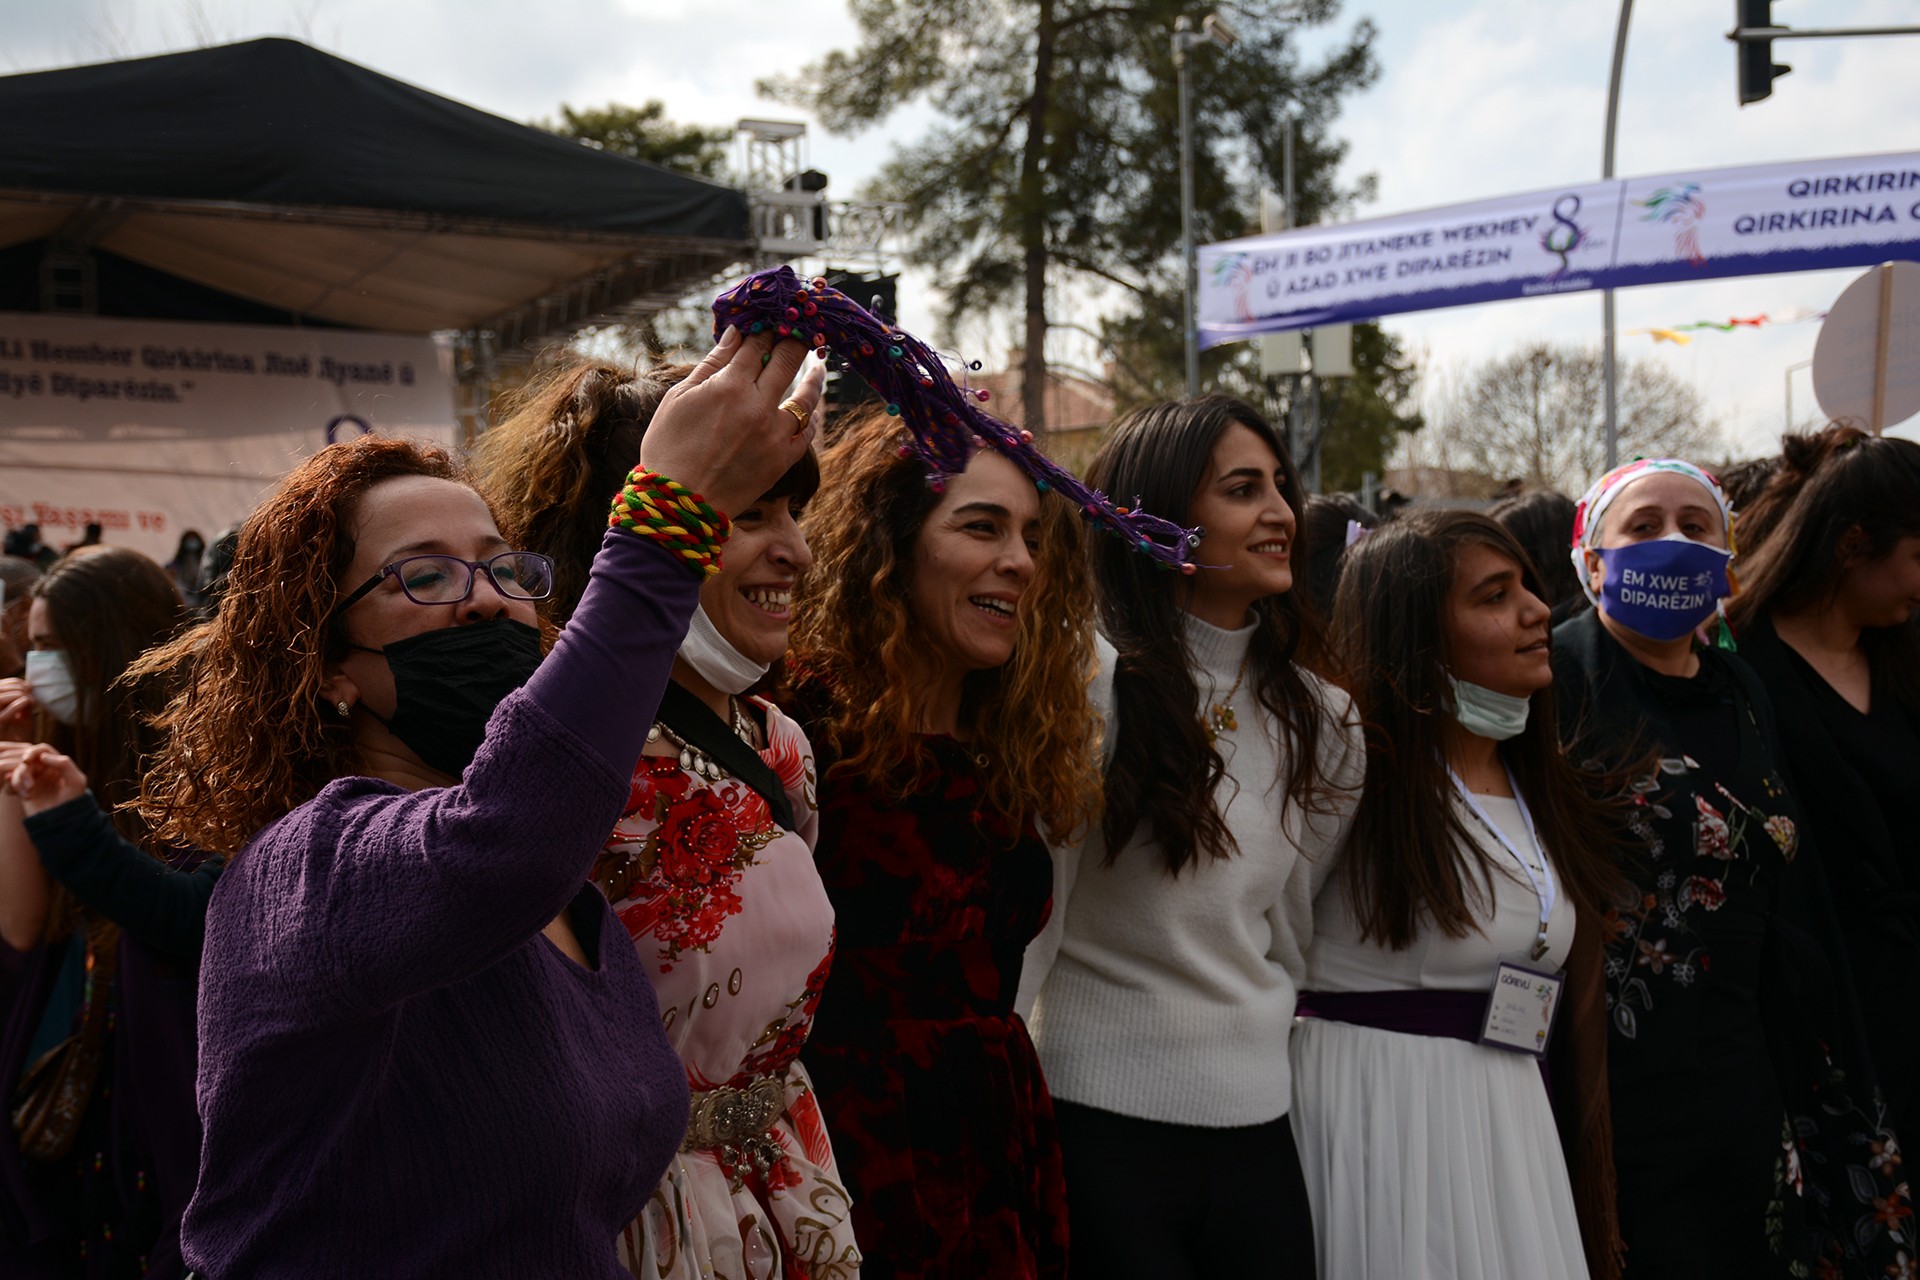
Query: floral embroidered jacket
[1749,1138]
[732,921]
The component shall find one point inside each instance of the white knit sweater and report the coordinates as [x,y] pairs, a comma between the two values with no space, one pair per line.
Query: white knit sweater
[1170,998]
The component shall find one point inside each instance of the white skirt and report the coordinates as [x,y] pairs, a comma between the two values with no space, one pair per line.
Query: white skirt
[1428,1158]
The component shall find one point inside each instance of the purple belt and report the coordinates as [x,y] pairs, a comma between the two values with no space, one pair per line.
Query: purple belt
[1455,1015]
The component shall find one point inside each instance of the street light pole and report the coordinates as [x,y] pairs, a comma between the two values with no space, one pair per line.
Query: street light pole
[1802,364]
[1286,166]
[1296,403]
[1606,172]
[1184,39]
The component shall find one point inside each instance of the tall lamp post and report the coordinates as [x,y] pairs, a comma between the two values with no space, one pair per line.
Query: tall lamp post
[1185,38]
[1606,298]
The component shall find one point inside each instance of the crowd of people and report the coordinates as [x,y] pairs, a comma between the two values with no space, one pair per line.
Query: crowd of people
[660,847]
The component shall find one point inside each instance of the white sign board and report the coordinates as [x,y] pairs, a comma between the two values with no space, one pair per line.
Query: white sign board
[1867,357]
[150,427]
[1282,354]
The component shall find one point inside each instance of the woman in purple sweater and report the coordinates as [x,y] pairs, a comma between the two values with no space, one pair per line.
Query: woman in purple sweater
[422,1052]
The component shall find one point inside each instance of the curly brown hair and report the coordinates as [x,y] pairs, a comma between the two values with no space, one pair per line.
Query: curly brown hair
[563,451]
[563,448]
[249,739]
[853,630]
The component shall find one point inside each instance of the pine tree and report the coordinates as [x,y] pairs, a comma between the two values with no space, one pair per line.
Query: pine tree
[1057,164]
[645,133]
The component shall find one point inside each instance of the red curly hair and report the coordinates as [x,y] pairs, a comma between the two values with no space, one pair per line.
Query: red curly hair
[248,738]
[853,630]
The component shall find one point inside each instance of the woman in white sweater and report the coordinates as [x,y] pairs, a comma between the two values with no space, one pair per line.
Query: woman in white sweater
[1166,984]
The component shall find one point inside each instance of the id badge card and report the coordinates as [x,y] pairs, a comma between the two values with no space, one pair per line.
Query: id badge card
[1520,1008]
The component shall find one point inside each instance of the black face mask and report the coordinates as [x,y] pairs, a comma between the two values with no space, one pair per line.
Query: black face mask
[446,684]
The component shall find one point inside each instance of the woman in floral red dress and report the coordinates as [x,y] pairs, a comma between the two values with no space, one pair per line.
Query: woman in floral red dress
[941,660]
[711,865]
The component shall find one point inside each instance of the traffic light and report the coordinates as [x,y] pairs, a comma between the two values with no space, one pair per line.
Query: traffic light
[1757,68]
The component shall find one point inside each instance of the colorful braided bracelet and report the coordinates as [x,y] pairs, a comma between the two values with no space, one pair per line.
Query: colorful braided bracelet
[673,515]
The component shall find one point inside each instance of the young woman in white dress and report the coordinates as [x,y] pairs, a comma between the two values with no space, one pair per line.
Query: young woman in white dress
[1427,1134]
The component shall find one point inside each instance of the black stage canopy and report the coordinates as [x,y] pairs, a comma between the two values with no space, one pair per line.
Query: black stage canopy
[320,191]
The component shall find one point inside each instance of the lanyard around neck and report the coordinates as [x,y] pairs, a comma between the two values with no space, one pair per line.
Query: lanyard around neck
[1542,883]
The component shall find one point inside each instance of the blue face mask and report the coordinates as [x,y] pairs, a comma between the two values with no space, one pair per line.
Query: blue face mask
[1664,588]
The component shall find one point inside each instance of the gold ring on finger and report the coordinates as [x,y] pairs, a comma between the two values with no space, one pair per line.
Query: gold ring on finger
[799,415]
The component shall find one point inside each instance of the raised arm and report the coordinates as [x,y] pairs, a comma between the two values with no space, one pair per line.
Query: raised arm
[392,893]
[78,846]
[163,908]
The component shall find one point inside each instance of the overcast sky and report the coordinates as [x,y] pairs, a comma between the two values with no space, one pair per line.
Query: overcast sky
[1477,98]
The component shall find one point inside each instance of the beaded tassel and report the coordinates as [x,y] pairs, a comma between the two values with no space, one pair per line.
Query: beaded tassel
[944,421]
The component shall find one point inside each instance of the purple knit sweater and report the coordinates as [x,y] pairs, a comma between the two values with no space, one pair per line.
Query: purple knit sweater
[399,1076]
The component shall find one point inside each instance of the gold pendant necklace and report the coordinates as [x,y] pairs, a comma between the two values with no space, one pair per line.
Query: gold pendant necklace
[1220,716]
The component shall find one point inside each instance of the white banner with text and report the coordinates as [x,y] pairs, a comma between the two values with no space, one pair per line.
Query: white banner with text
[148,427]
[1670,228]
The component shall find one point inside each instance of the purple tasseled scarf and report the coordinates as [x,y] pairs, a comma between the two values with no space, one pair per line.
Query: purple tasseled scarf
[944,421]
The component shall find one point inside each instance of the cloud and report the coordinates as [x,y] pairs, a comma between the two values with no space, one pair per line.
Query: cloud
[1477,102]
[1474,100]
[1511,96]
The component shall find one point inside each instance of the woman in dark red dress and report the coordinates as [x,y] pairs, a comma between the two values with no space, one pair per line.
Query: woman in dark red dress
[942,656]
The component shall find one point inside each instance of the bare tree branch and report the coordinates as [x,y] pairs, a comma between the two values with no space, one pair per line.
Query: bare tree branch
[1538,416]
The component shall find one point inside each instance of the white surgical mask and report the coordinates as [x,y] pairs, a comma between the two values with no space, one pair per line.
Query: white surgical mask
[1482,711]
[50,680]
[714,657]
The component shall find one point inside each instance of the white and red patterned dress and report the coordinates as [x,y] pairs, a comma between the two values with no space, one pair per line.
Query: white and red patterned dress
[730,916]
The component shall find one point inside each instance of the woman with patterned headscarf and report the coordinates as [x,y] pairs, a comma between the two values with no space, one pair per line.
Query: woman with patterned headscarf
[1748,1135]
